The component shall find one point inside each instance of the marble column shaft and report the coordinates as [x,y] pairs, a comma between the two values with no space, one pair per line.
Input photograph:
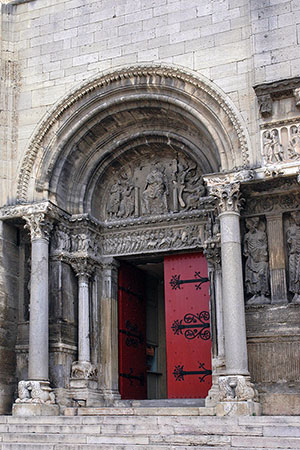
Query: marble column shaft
[38,366]
[109,326]
[83,318]
[233,295]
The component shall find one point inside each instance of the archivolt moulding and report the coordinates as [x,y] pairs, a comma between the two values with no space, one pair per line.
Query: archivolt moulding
[61,114]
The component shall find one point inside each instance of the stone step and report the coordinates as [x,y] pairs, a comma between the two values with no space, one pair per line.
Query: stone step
[160,403]
[143,411]
[144,428]
[16,446]
[152,432]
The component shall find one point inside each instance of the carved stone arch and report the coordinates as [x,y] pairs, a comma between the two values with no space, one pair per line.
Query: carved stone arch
[110,113]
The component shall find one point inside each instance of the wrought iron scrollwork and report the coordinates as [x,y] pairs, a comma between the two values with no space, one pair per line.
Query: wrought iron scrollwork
[134,336]
[193,326]
[179,372]
[129,376]
[176,282]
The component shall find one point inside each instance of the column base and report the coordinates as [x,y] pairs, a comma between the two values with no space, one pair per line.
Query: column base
[110,397]
[86,397]
[237,396]
[247,408]
[34,409]
[35,392]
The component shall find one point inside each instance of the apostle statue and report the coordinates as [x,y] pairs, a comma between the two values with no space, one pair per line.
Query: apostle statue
[293,241]
[256,266]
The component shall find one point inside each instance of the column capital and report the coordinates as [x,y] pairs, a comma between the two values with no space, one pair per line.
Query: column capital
[83,267]
[228,196]
[40,225]
[109,263]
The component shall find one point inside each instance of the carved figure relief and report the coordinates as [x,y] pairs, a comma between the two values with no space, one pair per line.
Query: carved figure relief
[61,239]
[146,186]
[256,266]
[293,242]
[121,200]
[281,144]
[152,239]
[155,192]
[273,151]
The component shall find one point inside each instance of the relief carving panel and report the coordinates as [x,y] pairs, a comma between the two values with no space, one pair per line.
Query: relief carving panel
[281,144]
[152,239]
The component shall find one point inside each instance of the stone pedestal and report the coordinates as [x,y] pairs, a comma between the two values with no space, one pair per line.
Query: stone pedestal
[34,409]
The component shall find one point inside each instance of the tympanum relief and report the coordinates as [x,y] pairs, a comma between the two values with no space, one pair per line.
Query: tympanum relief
[256,262]
[148,186]
[293,244]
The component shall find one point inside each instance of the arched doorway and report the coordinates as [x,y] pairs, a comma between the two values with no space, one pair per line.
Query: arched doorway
[122,160]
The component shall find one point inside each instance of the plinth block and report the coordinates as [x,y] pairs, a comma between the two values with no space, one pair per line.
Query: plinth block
[34,409]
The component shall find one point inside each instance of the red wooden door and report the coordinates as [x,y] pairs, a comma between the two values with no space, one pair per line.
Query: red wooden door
[132,333]
[187,326]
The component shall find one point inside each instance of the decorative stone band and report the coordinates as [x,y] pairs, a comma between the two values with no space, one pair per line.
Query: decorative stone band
[39,225]
[38,392]
[228,195]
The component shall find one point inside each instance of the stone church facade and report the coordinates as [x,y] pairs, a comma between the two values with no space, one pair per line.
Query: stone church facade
[135,130]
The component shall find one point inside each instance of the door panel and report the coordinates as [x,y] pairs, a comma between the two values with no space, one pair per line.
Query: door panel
[187,326]
[132,333]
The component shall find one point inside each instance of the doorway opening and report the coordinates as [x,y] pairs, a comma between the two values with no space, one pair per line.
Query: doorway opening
[164,328]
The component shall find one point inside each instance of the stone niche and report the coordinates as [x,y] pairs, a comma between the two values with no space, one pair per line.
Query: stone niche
[148,182]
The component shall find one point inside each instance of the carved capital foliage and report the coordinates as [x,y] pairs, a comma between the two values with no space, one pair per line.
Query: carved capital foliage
[228,196]
[109,263]
[39,225]
[83,267]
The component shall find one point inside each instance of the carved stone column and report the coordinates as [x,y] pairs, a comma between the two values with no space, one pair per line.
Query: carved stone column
[84,375]
[35,395]
[212,252]
[109,377]
[236,393]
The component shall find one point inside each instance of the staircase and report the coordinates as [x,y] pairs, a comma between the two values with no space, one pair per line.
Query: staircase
[148,428]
